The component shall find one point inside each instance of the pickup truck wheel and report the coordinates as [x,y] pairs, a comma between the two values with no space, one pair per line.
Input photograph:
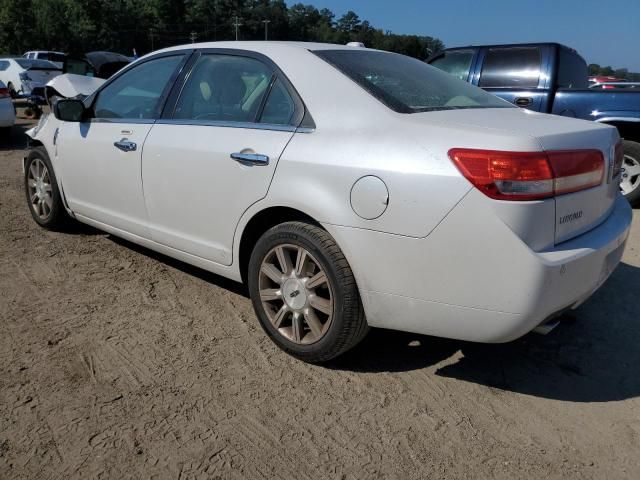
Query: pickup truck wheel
[304,293]
[41,188]
[630,182]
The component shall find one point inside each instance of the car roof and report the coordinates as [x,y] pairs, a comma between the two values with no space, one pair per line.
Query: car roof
[263,46]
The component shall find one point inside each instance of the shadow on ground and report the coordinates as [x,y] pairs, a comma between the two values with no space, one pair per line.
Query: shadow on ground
[204,275]
[594,357]
[15,139]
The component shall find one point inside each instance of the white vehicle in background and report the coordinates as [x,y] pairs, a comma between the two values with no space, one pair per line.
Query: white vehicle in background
[7,111]
[22,75]
[58,58]
[349,188]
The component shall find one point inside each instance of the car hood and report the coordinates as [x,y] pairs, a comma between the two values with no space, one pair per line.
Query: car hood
[70,85]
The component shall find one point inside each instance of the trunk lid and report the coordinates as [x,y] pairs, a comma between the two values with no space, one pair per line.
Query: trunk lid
[575,213]
[38,77]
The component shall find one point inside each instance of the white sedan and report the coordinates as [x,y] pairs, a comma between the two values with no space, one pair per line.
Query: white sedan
[348,188]
[7,111]
[22,75]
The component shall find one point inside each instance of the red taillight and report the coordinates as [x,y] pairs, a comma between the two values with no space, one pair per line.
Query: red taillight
[4,93]
[529,176]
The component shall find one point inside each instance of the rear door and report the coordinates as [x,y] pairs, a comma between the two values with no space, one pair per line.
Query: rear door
[516,74]
[216,152]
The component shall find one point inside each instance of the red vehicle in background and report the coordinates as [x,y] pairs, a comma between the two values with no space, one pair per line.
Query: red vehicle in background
[597,79]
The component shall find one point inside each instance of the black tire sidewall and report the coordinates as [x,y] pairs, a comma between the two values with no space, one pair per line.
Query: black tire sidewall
[284,234]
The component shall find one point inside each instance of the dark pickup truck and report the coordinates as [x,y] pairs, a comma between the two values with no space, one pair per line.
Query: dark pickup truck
[551,78]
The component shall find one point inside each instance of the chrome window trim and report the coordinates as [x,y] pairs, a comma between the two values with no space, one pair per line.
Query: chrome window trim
[143,121]
[617,119]
[224,124]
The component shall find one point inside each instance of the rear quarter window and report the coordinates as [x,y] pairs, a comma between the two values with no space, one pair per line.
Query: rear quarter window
[513,67]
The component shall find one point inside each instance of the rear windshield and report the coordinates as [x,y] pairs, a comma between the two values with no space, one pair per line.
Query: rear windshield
[407,85]
[27,63]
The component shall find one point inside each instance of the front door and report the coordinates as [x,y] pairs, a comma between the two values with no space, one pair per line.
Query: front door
[216,155]
[100,159]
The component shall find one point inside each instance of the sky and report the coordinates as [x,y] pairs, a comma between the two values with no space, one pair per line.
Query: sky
[603,31]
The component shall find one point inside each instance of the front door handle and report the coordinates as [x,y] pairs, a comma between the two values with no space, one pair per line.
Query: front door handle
[523,101]
[125,145]
[250,158]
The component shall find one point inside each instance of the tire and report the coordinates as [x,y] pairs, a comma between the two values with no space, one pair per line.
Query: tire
[43,199]
[29,113]
[12,90]
[631,183]
[330,302]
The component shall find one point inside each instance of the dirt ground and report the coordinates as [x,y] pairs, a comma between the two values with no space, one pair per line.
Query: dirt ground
[119,363]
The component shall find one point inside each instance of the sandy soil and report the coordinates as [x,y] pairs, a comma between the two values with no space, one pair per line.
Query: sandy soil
[119,363]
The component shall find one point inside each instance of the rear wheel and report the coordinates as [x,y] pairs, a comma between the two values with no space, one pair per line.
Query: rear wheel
[12,90]
[43,197]
[630,182]
[304,292]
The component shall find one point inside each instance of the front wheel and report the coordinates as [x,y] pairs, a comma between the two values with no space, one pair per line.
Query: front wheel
[304,292]
[630,182]
[43,196]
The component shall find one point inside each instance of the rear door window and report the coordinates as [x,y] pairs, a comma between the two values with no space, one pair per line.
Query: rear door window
[456,62]
[513,67]
[224,88]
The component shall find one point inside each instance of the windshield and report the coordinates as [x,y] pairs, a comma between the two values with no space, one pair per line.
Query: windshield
[407,85]
[37,64]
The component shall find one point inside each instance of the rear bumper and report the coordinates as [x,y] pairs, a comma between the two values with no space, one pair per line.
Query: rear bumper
[473,279]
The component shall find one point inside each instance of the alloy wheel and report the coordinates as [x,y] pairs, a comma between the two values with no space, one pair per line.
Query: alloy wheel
[630,175]
[296,294]
[40,192]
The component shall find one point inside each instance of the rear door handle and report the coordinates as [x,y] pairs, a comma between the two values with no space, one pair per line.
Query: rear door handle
[250,158]
[523,101]
[125,145]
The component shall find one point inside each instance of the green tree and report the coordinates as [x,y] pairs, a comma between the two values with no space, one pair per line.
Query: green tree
[78,26]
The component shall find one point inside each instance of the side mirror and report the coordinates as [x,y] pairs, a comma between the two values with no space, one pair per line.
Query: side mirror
[69,110]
